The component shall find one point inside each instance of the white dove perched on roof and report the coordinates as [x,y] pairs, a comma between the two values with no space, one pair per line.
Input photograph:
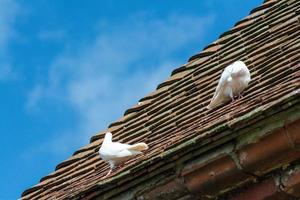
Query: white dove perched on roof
[233,81]
[116,153]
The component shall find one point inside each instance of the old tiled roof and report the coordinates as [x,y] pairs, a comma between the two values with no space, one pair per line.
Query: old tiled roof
[173,119]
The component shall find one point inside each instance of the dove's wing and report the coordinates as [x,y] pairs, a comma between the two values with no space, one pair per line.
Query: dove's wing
[118,150]
[223,80]
[241,77]
[222,87]
[112,149]
[116,153]
[129,150]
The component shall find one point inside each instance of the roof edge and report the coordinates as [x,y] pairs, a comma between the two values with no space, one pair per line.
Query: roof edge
[225,131]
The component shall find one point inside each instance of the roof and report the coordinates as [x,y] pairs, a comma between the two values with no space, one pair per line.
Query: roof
[173,120]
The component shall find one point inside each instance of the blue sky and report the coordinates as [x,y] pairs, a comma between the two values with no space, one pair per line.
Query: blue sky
[69,68]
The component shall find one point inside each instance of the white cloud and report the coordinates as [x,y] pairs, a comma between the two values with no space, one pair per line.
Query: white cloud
[103,77]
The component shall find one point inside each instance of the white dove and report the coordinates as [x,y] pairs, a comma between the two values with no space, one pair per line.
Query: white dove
[116,153]
[233,81]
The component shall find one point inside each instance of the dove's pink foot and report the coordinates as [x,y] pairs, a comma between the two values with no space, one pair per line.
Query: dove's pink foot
[240,96]
[119,166]
[232,99]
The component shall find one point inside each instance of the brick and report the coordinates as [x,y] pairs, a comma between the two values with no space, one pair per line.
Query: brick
[214,177]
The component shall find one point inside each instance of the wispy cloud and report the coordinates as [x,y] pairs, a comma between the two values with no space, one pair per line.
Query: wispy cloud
[9,11]
[102,77]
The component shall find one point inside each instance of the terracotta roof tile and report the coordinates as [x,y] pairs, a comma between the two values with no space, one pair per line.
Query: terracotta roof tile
[173,117]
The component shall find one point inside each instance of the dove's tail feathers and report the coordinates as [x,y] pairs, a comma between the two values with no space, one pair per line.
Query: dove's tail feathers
[209,107]
[217,101]
[213,104]
[139,147]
